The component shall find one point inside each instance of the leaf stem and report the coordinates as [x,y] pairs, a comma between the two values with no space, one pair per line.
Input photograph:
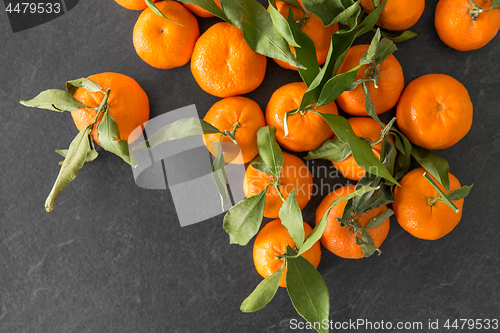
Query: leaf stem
[104,103]
[442,196]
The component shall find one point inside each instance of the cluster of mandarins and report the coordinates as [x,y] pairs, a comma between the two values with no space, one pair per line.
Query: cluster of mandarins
[433,112]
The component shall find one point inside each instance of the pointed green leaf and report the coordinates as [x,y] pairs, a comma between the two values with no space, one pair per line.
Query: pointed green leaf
[331,11]
[370,108]
[54,100]
[177,130]
[406,35]
[269,150]
[380,197]
[264,292]
[109,137]
[89,85]
[308,291]
[336,86]
[158,12]
[255,22]
[366,243]
[380,219]
[243,220]
[460,193]
[434,164]
[361,150]
[384,49]
[92,154]
[281,26]
[75,158]
[334,150]
[219,174]
[318,230]
[369,55]
[291,217]
[259,164]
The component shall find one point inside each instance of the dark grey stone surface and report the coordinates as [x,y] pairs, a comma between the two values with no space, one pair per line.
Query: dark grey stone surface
[112,257]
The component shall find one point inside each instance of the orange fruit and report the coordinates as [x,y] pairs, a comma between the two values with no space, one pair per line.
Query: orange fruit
[397,14]
[198,11]
[301,126]
[224,65]
[390,84]
[312,26]
[366,128]
[242,115]
[341,240]
[460,27]
[294,174]
[416,210]
[162,43]
[435,111]
[134,4]
[128,105]
[271,242]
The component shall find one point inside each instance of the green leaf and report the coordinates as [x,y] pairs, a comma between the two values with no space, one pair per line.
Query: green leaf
[366,243]
[281,26]
[406,35]
[291,217]
[89,85]
[308,291]
[208,5]
[435,165]
[158,12]
[54,100]
[361,150]
[441,195]
[340,44]
[92,154]
[334,150]
[331,11]
[384,49]
[494,4]
[336,86]
[219,174]
[259,164]
[243,220]
[255,22]
[382,196]
[360,201]
[403,158]
[109,137]
[306,54]
[318,230]
[460,193]
[379,220]
[269,150]
[264,292]
[177,130]
[370,108]
[369,55]
[73,162]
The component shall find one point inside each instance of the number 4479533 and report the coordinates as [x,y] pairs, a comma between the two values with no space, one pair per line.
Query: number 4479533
[34,8]
[472,324]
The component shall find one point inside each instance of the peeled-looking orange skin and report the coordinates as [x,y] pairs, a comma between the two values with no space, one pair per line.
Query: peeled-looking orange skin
[413,211]
[341,241]
[306,131]
[134,4]
[398,14]
[390,84]
[198,11]
[313,27]
[128,105]
[294,174]
[223,115]
[224,65]
[271,242]
[366,128]
[164,44]
[434,111]
[459,30]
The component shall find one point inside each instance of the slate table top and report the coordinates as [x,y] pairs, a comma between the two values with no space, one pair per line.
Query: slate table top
[112,257]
